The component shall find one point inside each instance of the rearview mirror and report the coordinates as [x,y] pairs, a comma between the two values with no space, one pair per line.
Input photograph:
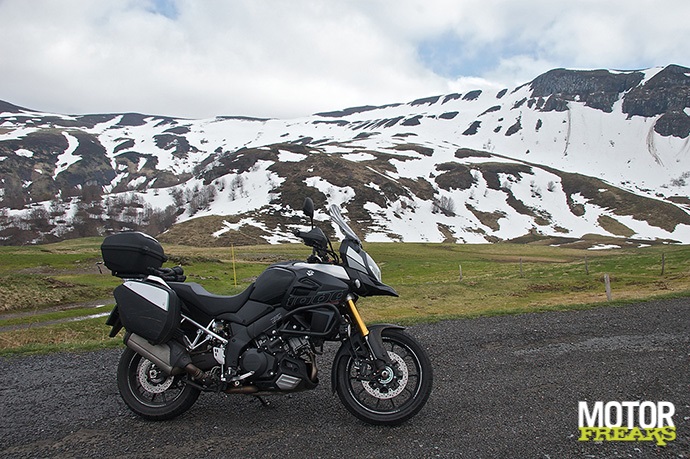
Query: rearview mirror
[308,210]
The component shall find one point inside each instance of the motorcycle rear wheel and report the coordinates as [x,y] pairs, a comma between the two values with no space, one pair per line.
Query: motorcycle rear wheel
[151,393]
[397,397]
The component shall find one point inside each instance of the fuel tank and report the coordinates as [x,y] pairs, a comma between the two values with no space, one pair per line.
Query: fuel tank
[295,284]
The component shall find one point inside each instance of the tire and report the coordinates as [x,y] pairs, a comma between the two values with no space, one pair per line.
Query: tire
[151,393]
[393,400]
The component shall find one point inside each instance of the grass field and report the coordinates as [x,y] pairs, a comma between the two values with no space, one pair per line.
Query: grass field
[39,285]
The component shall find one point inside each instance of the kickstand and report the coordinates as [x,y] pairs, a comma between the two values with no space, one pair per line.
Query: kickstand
[263,401]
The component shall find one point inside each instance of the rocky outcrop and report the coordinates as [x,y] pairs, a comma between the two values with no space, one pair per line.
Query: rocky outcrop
[598,89]
[668,94]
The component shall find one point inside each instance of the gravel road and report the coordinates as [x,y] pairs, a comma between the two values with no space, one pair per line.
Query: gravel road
[505,387]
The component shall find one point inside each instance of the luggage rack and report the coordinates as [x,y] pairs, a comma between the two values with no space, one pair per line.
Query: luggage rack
[175,274]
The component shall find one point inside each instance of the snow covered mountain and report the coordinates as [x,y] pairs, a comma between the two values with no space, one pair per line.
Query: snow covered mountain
[569,154]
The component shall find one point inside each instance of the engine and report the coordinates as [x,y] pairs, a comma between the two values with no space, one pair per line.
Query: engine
[278,362]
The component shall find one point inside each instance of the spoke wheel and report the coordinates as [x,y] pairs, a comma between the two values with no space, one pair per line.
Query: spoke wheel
[149,391]
[398,393]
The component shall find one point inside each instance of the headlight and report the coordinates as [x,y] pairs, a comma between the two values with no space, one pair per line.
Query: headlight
[373,267]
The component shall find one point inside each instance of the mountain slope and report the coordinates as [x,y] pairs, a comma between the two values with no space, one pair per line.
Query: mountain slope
[570,153]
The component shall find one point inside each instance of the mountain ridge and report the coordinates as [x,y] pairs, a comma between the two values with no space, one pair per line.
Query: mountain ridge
[571,153]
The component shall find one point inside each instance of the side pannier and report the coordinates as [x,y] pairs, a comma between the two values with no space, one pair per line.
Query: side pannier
[131,254]
[150,310]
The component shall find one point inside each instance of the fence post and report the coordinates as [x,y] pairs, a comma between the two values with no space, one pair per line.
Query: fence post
[460,266]
[607,285]
[234,271]
[663,263]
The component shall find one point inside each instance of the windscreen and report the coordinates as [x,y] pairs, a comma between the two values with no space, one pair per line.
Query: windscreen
[337,217]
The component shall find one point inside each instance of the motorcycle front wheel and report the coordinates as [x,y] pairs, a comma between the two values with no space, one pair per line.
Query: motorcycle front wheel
[150,392]
[399,394]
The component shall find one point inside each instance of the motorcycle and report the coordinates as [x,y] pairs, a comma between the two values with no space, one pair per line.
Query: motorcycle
[182,340]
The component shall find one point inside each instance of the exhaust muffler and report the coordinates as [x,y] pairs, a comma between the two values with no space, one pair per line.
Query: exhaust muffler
[171,357]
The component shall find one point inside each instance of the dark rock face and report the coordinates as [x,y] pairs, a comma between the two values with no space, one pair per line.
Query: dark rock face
[598,89]
[668,90]
[555,103]
[474,127]
[454,176]
[347,111]
[472,95]
[413,121]
[16,169]
[177,144]
[93,167]
[426,101]
[666,94]
[675,123]
[450,97]
[11,108]
[514,128]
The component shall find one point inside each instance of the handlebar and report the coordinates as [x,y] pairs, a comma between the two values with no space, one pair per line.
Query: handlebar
[318,241]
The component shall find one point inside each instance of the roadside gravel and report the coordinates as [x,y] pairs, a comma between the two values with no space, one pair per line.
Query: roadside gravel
[505,387]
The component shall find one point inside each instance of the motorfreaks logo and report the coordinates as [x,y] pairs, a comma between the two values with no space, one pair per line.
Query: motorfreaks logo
[627,421]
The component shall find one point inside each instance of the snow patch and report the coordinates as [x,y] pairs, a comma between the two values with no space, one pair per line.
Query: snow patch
[242,193]
[142,163]
[17,134]
[359,157]
[66,159]
[274,237]
[335,194]
[134,184]
[24,153]
[604,247]
[290,157]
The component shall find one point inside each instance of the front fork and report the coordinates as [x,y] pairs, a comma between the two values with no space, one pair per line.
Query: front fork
[373,341]
[361,326]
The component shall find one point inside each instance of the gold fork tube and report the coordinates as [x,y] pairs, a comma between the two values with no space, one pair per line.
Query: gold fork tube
[358,319]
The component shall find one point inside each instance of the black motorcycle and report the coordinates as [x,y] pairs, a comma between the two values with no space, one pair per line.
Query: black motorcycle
[182,340]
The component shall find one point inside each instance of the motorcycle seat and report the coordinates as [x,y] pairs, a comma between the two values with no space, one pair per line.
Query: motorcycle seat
[209,303]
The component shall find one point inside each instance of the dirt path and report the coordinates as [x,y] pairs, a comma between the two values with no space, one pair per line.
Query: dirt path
[64,307]
[99,307]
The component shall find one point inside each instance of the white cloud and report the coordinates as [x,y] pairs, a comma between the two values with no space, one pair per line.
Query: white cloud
[273,58]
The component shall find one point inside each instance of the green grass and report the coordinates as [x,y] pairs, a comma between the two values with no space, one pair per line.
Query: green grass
[84,335]
[52,275]
[496,279]
[502,278]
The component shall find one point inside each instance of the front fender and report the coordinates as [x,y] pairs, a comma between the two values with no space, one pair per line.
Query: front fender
[375,343]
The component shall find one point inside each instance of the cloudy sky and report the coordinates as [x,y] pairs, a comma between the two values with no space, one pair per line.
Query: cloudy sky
[292,58]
